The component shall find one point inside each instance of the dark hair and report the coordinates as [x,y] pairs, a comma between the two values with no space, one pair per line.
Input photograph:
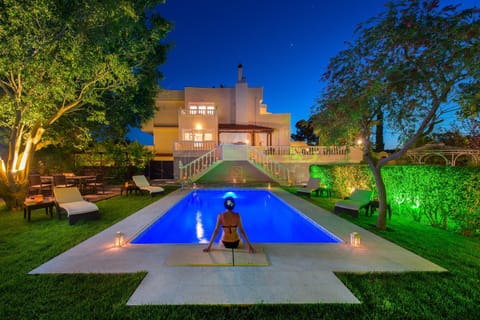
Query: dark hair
[229,203]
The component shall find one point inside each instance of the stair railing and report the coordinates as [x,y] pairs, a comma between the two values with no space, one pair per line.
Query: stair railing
[274,169]
[195,168]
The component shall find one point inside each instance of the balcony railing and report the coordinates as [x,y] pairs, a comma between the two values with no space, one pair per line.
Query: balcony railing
[273,168]
[194,145]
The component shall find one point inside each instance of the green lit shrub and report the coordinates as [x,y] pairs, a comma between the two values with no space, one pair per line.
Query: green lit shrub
[467,216]
[343,179]
[443,196]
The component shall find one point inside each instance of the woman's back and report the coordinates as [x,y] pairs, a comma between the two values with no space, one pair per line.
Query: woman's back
[229,220]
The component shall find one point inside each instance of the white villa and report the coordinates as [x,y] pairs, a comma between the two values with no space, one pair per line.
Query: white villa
[201,126]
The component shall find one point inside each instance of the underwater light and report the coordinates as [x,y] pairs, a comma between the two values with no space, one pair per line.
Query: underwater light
[230,194]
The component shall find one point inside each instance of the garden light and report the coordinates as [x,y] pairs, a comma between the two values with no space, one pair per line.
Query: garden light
[119,239]
[355,239]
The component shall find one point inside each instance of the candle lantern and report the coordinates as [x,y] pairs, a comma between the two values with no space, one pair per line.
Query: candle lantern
[119,239]
[355,239]
[126,184]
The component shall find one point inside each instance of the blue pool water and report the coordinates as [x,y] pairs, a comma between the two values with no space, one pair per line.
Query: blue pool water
[265,218]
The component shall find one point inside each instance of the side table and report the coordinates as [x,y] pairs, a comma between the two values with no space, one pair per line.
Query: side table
[322,191]
[374,205]
[29,205]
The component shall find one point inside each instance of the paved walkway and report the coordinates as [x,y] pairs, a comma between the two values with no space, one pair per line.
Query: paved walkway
[296,274]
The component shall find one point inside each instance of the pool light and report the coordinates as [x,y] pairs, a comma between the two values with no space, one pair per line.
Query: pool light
[229,194]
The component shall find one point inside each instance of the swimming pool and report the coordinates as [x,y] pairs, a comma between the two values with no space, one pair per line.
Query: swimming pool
[265,217]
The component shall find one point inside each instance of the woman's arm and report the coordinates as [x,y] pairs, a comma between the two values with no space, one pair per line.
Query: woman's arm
[251,249]
[214,235]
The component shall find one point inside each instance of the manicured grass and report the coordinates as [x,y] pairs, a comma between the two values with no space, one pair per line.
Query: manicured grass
[414,295]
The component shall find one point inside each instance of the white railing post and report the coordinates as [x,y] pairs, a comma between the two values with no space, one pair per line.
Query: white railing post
[272,167]
[197,166]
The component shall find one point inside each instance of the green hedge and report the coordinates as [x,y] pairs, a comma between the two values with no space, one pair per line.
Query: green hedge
[445,196]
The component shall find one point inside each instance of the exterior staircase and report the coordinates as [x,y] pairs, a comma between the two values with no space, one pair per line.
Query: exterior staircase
[236,172]
[234,164]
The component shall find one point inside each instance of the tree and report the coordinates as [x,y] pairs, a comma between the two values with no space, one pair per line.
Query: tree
[67,66]
[305,132]
[411,62]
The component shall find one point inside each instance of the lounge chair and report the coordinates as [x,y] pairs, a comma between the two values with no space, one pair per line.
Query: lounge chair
[312,186]
[359,199]
[70,201]
[142,183]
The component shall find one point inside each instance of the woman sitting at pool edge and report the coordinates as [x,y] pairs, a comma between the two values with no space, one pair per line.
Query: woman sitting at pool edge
[229,221]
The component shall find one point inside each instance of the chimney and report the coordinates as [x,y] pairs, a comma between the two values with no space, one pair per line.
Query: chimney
[240,76]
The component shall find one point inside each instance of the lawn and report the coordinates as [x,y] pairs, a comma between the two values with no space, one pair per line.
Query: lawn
[24,246]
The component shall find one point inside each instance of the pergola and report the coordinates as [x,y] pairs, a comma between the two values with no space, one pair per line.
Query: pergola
[246,128]
[448,153]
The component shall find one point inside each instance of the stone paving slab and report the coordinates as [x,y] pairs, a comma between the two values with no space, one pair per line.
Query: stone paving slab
[296,274]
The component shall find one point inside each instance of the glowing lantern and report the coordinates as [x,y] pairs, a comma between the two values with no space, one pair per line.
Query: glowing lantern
[119,239]
[355,239]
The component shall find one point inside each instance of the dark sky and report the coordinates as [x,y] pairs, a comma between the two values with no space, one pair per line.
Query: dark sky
[283,45]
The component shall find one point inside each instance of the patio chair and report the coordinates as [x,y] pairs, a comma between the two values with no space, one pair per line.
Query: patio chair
[60,181]
[142,183]
[359,199]
[312,186]
[37,186]
[96,183]
[70,201]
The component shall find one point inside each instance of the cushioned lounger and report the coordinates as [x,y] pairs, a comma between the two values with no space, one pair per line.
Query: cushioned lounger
[142,183]
[70,201]
[312,186]
[359,199]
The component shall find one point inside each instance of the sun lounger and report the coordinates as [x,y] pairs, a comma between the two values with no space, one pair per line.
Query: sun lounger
[142,183]
[359,199]
[70,201]
[312,186]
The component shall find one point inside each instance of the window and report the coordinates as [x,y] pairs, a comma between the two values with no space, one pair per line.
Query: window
[208,136]
[192,110]
[203,109]
[187,136]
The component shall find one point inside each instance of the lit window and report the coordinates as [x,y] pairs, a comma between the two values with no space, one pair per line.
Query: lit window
[198,136]
[207,136]
[187,136]
[193,110]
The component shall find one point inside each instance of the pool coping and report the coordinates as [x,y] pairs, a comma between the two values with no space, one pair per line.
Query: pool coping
[298,273]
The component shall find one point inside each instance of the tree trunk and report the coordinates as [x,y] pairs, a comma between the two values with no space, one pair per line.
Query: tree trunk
[379,143]
[14,173]
[382,192]
[14,195]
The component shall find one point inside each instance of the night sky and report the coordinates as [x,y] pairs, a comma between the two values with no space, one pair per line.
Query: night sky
[283,45]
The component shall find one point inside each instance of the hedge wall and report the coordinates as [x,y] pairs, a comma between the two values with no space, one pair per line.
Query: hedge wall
[445,196]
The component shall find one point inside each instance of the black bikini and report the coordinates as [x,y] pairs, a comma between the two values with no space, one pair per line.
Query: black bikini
[230,244]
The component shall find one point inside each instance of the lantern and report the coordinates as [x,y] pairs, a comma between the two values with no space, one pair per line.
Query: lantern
[126,184]
[355,239]
[119,239]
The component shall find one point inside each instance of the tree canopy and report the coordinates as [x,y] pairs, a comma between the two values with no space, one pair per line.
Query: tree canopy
[405,69]
[70,66]
[305,132]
